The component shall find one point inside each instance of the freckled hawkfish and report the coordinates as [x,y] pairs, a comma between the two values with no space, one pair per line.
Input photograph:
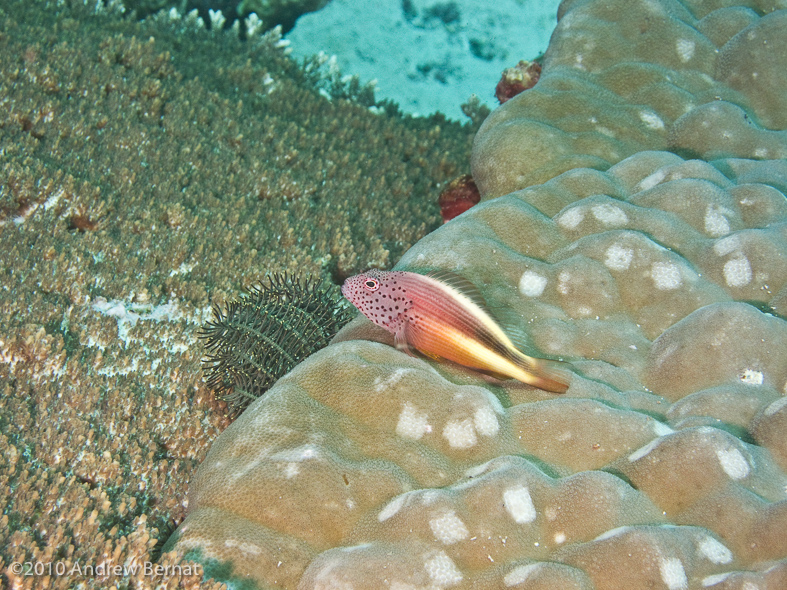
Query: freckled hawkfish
[440,316]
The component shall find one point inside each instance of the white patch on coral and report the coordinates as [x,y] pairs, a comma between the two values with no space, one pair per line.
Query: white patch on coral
[737,272]
[298,454]
[775,406]
[651,119]
[520,574]
[54,199]
[448,528]
[666,276]
[618,257]
[685,49]
[716,224]
[661,429]
[642,451]
[673,574]
[486,422]
[291,470]
[412,422]
[726,245]
[563,278]
[128,314]
[564,436]
[715,551]
[610,215]
[584,310]
[442,570]
[184,269]
[560,538]
[733,463]
[752,377]
[392,508]
[714,579]
[650,181]
[429,497]
[532,284]
[611,533]
[391,380]
[519,504]
[243,546]
[460,434]
[571,218]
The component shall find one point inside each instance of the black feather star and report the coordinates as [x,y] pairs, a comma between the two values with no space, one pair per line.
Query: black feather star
[256,340]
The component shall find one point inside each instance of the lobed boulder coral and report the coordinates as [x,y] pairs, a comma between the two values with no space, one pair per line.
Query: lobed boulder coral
[662,278]
[700,78]
[379,466]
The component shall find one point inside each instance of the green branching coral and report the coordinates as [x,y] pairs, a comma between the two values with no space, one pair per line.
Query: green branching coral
[279,12]
[262,336]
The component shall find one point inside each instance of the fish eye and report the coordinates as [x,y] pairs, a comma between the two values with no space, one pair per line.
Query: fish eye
[371,284]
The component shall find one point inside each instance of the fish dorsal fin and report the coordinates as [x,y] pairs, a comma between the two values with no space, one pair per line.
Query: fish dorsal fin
[506,318]
[515,327]
[461,284]
[469,290]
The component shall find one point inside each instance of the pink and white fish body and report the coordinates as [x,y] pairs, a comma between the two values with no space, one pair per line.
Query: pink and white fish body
[437,316]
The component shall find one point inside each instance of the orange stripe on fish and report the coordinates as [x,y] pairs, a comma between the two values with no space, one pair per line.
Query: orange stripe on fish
[440,316]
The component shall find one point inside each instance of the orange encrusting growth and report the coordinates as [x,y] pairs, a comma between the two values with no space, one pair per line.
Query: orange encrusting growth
[436,316]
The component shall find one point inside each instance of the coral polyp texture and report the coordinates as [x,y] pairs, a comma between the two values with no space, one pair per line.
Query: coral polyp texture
[661,277]
[148,170]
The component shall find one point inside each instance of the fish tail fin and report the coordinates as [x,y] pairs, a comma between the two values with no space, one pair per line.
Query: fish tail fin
[544,374]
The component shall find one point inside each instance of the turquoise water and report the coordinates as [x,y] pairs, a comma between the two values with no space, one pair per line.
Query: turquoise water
[428,55]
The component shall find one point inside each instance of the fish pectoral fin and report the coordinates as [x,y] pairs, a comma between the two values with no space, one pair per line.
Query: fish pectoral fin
[431,356]
[400,340]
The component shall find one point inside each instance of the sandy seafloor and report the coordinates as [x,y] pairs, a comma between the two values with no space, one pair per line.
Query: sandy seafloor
[147,171]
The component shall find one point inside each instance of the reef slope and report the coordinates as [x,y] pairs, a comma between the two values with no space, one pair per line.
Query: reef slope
[148,170]
[634,224]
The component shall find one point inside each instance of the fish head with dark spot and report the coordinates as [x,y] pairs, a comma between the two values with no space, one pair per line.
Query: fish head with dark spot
[379,295]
